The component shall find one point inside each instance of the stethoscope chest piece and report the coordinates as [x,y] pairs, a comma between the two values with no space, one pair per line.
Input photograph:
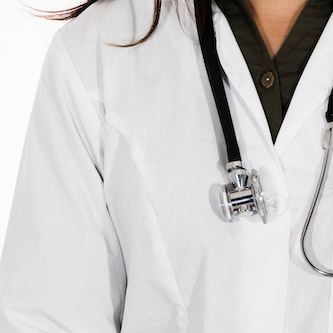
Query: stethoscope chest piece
[243,195]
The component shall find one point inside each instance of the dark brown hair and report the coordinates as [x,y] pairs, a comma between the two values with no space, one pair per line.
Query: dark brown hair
[71,13]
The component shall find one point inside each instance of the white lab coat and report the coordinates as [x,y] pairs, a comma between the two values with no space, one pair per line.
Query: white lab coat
[115,224]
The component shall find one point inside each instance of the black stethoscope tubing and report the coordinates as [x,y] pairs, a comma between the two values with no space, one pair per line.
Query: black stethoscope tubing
[213,67]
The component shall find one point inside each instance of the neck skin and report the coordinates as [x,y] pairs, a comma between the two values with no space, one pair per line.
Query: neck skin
[274,19]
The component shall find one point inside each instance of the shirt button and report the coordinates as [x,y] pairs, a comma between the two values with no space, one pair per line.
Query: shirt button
[267,80]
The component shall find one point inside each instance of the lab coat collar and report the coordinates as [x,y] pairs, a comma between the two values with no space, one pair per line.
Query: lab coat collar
[237,72]
[312,90]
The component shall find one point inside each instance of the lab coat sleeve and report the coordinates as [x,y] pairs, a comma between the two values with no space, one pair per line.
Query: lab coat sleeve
[62,268]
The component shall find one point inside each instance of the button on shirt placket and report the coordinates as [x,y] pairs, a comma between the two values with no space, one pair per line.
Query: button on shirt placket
[268,79]
[269,93]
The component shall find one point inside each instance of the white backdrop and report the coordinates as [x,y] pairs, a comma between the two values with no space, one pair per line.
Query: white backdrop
[24,40]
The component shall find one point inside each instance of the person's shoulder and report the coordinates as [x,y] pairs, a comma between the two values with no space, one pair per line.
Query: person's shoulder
[118,21]
[114,21]
[85,38]
[82,41]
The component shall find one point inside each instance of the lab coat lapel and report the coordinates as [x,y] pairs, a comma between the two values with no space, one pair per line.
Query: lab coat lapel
[238,74]
[312,90]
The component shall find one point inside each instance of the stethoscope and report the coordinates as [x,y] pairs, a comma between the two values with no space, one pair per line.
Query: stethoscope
[244,193]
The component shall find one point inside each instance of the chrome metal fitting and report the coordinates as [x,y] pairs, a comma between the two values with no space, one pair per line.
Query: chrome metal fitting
[243,194]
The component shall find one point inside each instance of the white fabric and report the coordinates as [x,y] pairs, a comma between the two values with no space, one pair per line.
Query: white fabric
[115,224]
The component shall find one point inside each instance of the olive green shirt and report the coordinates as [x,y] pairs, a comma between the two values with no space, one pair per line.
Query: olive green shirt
[276,78]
